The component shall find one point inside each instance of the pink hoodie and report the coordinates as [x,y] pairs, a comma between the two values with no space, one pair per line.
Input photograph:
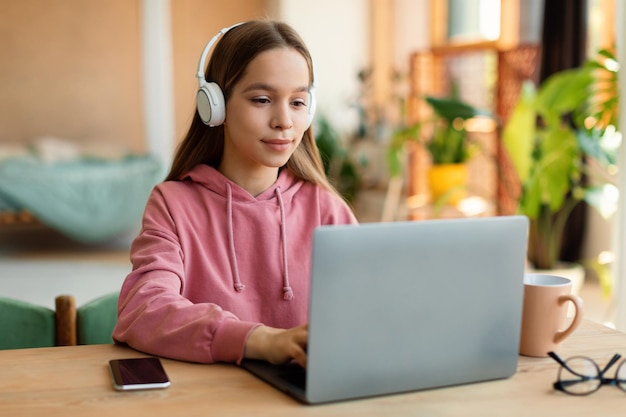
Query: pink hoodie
[212,262]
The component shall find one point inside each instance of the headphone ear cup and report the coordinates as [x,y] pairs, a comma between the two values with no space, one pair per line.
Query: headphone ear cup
[210,104]
[311,108]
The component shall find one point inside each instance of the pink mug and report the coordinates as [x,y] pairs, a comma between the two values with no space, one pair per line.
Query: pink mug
[544,314]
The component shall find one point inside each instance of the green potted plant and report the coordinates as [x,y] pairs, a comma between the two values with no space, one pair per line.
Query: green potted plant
[446,139]
[338,166]
[561,141]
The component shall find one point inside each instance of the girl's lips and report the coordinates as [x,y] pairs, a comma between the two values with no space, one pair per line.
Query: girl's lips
[277,144]
[277,141]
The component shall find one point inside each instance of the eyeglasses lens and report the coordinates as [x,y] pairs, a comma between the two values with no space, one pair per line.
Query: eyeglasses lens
[620,376]
[582,377]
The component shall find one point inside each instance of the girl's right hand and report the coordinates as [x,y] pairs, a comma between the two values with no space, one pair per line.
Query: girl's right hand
[278,346]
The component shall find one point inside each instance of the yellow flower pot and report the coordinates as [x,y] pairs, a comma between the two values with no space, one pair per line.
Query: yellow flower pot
[448,182]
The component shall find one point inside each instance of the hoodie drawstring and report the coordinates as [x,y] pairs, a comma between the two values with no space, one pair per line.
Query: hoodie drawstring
[237,284]
[287,291]
[239,287]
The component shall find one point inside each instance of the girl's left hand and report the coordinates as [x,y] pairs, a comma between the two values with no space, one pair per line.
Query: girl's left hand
[278,346]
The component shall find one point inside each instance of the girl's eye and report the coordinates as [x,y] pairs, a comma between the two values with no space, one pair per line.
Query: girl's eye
[261,100]
[299,102]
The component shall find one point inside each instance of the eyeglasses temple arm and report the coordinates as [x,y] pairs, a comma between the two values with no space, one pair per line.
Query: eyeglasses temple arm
[561,362]
[614,359]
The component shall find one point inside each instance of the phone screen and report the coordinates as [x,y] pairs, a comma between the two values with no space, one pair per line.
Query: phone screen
[138,373]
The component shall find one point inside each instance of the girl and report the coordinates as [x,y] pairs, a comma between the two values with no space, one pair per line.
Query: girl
[221,265]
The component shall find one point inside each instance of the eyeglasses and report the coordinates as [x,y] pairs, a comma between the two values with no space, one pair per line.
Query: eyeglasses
[580,375]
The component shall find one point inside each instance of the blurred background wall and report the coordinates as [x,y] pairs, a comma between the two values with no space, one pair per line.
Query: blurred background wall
[122,71]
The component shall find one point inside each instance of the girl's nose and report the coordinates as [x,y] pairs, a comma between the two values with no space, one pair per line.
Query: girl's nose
[281,117]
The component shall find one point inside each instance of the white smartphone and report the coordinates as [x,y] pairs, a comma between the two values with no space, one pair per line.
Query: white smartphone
[138,373]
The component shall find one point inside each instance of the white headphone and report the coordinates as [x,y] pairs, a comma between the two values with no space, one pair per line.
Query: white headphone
[210,98]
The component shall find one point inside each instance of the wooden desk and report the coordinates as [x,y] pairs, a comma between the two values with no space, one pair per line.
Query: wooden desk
[75,381]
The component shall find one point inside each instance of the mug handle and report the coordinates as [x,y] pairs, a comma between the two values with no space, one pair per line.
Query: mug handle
[578,316]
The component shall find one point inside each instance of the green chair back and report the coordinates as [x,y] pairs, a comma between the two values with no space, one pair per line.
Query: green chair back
[96,319]
[25,325]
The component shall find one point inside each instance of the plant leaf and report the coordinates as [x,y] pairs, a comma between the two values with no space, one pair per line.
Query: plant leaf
[563,93]
[593,143]
[519,133]
[450,108]
[555,165]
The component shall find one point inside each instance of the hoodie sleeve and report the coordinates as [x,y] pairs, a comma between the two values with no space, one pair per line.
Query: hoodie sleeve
[155,318]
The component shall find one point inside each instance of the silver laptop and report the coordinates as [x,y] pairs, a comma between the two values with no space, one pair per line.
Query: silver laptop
[405,306]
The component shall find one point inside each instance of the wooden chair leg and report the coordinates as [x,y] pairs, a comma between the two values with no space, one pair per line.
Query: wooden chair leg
[65,320]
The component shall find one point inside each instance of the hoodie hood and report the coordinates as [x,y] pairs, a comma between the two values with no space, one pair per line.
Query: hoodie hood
[215,181]
[280,193]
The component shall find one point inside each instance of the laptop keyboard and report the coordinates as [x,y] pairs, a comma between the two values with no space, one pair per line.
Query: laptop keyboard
[294,374]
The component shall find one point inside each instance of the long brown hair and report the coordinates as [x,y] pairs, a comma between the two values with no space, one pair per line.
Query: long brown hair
[232,55]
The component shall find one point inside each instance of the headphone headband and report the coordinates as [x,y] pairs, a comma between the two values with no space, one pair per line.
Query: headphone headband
[205,52]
